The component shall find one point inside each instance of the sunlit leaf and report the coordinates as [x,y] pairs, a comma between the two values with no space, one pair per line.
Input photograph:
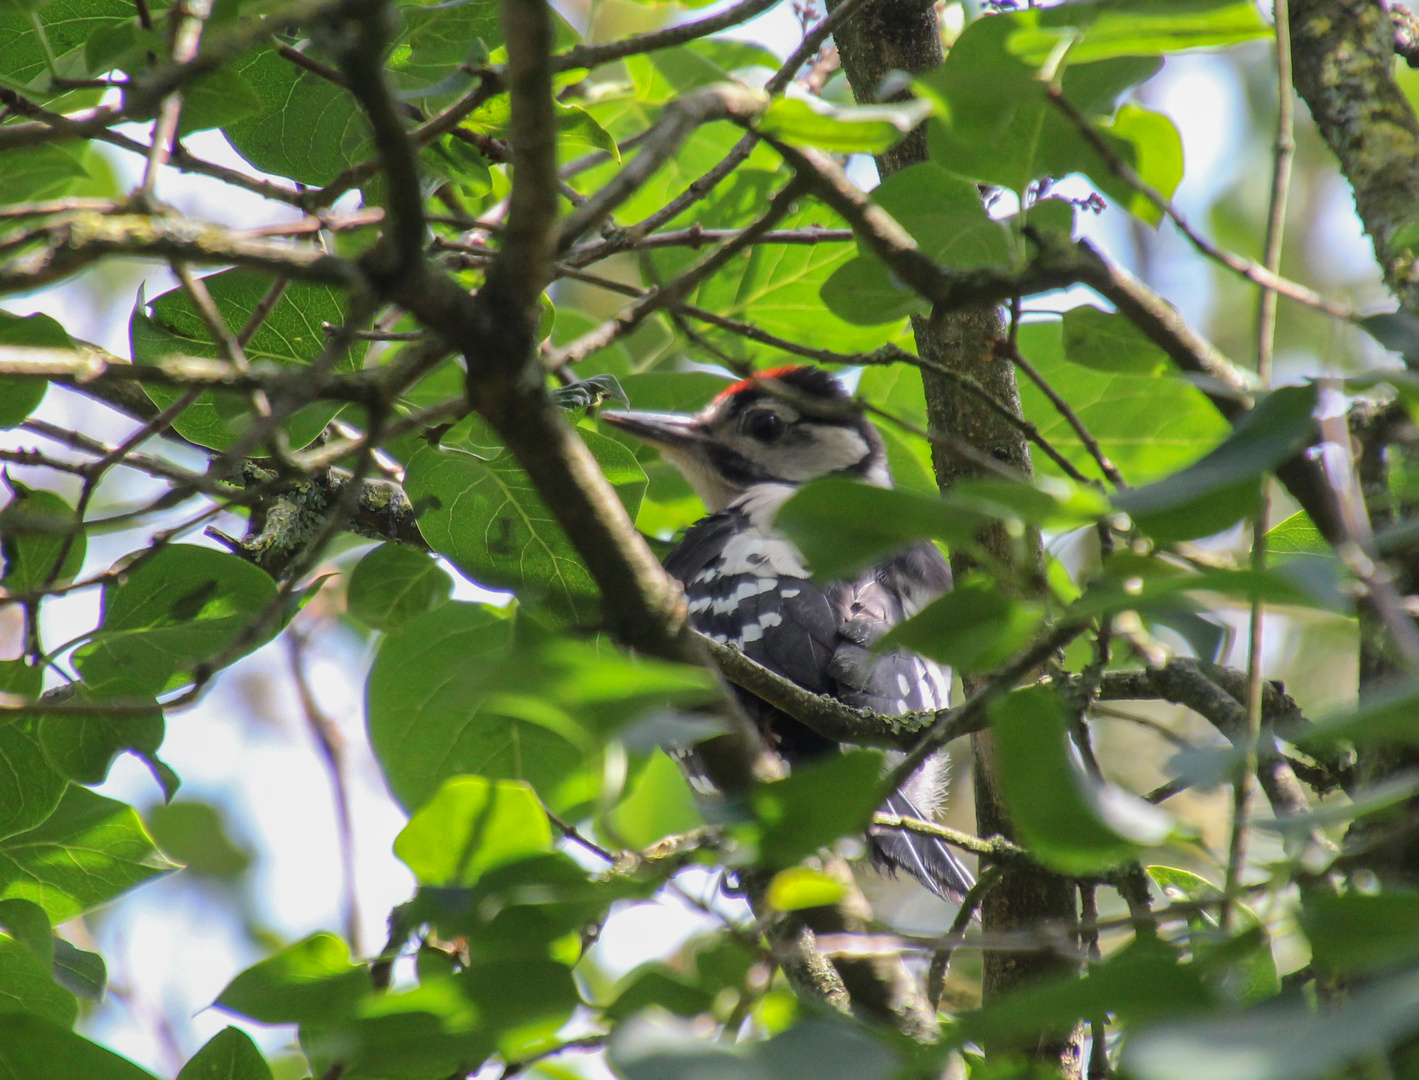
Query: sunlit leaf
[470,826]
[88,851]
[801,887]
[859,129]
[311,980]
[1099,31]
[33,1048]
[228,1055]
[1149,426]
[26,985]
[659,804]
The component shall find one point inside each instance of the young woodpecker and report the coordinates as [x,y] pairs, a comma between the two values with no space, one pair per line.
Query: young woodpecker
[747,585]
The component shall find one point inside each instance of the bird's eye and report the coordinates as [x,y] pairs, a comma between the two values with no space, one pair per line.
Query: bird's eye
[765,426]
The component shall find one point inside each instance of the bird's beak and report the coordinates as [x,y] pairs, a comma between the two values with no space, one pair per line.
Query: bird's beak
[668,431]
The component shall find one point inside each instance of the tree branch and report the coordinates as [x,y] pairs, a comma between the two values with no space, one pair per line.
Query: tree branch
[1343,62]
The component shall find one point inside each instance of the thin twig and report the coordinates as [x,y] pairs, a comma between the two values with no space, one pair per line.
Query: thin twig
[1247,268]
[1265,344]
[331,742]
[588,55]
[1086,437]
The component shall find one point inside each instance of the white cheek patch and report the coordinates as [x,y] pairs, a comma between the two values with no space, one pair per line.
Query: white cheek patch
[833,449]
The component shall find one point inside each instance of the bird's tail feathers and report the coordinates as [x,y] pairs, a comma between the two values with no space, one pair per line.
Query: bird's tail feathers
[926,858]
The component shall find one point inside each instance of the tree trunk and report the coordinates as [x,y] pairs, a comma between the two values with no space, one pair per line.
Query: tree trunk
[893,35]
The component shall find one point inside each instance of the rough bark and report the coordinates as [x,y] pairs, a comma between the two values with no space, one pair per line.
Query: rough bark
[1343,58]
[1343,63]
[905,36]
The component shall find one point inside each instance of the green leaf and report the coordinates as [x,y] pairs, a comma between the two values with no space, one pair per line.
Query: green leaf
[800,887]
[33,528]
[1239,969]
[40,172]
[33,1048]
[1150,143]
[30,789]
[654,987]
[395,582]
[26,985]
[1284,1041]
[195,834]
[660,804]
[83,974]
[1149,426]
[816,805]
[449,1025]
[1142,982]
[1100,31]
[842,525]
[218,99]
[1221,488]
[529,907]
[184,605]
[228,1055]
[490,521]
[439,38]
[20,397]
[855,129]
[470,826]
[84,748]
[1297,535]
[26,922]
[1072,824]
[775,286]
[291,336]
[996,124]
[307,129]
[864,292]
[64,27]
[432,714]
[1106,341]
[1145,583]
[578,132]
[88,851]
[822,1046]
[974,627]
[945,216]
[310,981]
[1353,934]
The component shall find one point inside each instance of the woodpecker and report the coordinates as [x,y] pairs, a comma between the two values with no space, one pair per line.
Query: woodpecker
[745,454]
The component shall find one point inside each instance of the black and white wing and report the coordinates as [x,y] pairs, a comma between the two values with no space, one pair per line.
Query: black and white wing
[899,682]
[747,587]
